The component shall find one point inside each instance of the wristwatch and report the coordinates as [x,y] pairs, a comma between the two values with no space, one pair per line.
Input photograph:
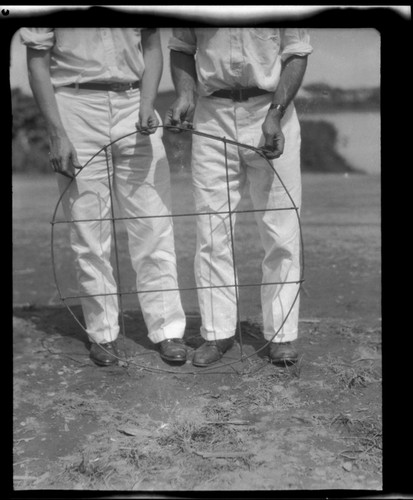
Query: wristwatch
[280,107]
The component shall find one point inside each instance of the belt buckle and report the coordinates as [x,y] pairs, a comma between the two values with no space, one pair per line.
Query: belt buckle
[118,87]
[236,95]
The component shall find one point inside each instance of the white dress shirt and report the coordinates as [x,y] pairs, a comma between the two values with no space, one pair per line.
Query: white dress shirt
[239,57]
[80,55]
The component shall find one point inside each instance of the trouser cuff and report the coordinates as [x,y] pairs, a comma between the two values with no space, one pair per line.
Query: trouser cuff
[281,337]
[210,336]
[160,336]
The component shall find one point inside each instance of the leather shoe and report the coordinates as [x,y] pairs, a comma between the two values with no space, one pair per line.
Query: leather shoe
[211,351]
[173,350]
[283,353]
[104,354]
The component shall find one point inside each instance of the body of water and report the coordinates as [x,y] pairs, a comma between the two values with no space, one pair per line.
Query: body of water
[358,137]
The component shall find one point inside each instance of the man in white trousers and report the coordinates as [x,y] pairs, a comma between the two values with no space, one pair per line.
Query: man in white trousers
[245,80]
[93,86]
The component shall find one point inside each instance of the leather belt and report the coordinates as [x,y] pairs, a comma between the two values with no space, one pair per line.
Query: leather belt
[239,95]
[114,87]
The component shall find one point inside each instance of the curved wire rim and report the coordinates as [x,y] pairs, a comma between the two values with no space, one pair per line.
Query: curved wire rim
[225,141]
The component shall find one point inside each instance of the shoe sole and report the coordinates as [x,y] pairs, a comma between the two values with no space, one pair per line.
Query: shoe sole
[173,360]
[110,363]
[206,364]
[203,365]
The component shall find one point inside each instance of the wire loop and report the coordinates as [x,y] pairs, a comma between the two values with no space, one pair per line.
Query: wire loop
[236,285]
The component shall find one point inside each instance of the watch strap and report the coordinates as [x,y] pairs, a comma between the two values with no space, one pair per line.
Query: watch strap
[280,107]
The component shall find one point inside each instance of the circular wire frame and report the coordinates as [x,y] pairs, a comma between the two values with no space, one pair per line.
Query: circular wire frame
[229,212]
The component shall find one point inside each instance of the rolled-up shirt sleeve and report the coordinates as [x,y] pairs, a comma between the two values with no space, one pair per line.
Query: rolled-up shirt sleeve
[38,38]
[295,42]
[183,40]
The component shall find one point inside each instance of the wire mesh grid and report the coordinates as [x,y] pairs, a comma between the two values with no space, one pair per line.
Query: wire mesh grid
[236,285]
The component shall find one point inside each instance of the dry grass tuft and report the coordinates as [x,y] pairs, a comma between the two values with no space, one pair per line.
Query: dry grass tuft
[190,436]
[364,436]
[350,376]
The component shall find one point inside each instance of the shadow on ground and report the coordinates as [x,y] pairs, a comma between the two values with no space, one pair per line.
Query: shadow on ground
[146,425]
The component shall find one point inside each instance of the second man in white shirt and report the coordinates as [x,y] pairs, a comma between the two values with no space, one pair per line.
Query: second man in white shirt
[245,80]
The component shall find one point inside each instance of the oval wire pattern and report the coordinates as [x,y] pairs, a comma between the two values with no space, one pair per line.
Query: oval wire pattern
[236,285]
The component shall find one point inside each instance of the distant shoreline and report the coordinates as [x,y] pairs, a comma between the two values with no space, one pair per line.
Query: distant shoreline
[314,108]
[319,151]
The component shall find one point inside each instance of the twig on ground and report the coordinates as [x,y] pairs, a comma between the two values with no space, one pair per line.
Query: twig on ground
[222,454]
[343,454]
[228,422]
[23,461]
[25,439]
[376,358]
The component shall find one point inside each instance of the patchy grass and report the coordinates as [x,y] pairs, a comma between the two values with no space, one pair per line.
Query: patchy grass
[363,436]
[352,375]
[197,437]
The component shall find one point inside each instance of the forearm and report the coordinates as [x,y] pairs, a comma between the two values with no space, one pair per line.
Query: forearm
[291,78]
[62,155]
[152,56]
[43,92]
[183,73]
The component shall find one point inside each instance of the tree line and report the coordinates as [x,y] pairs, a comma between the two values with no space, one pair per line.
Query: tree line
[30,143]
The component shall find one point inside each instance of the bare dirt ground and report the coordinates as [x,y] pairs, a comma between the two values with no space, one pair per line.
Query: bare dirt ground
[250,426]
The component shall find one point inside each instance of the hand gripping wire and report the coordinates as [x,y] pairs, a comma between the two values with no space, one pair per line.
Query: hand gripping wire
[119,293]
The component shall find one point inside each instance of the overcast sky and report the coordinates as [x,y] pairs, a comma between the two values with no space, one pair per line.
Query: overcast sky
[346,58]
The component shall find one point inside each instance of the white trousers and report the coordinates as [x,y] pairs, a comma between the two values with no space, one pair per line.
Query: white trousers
[140,182]
[279,230]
